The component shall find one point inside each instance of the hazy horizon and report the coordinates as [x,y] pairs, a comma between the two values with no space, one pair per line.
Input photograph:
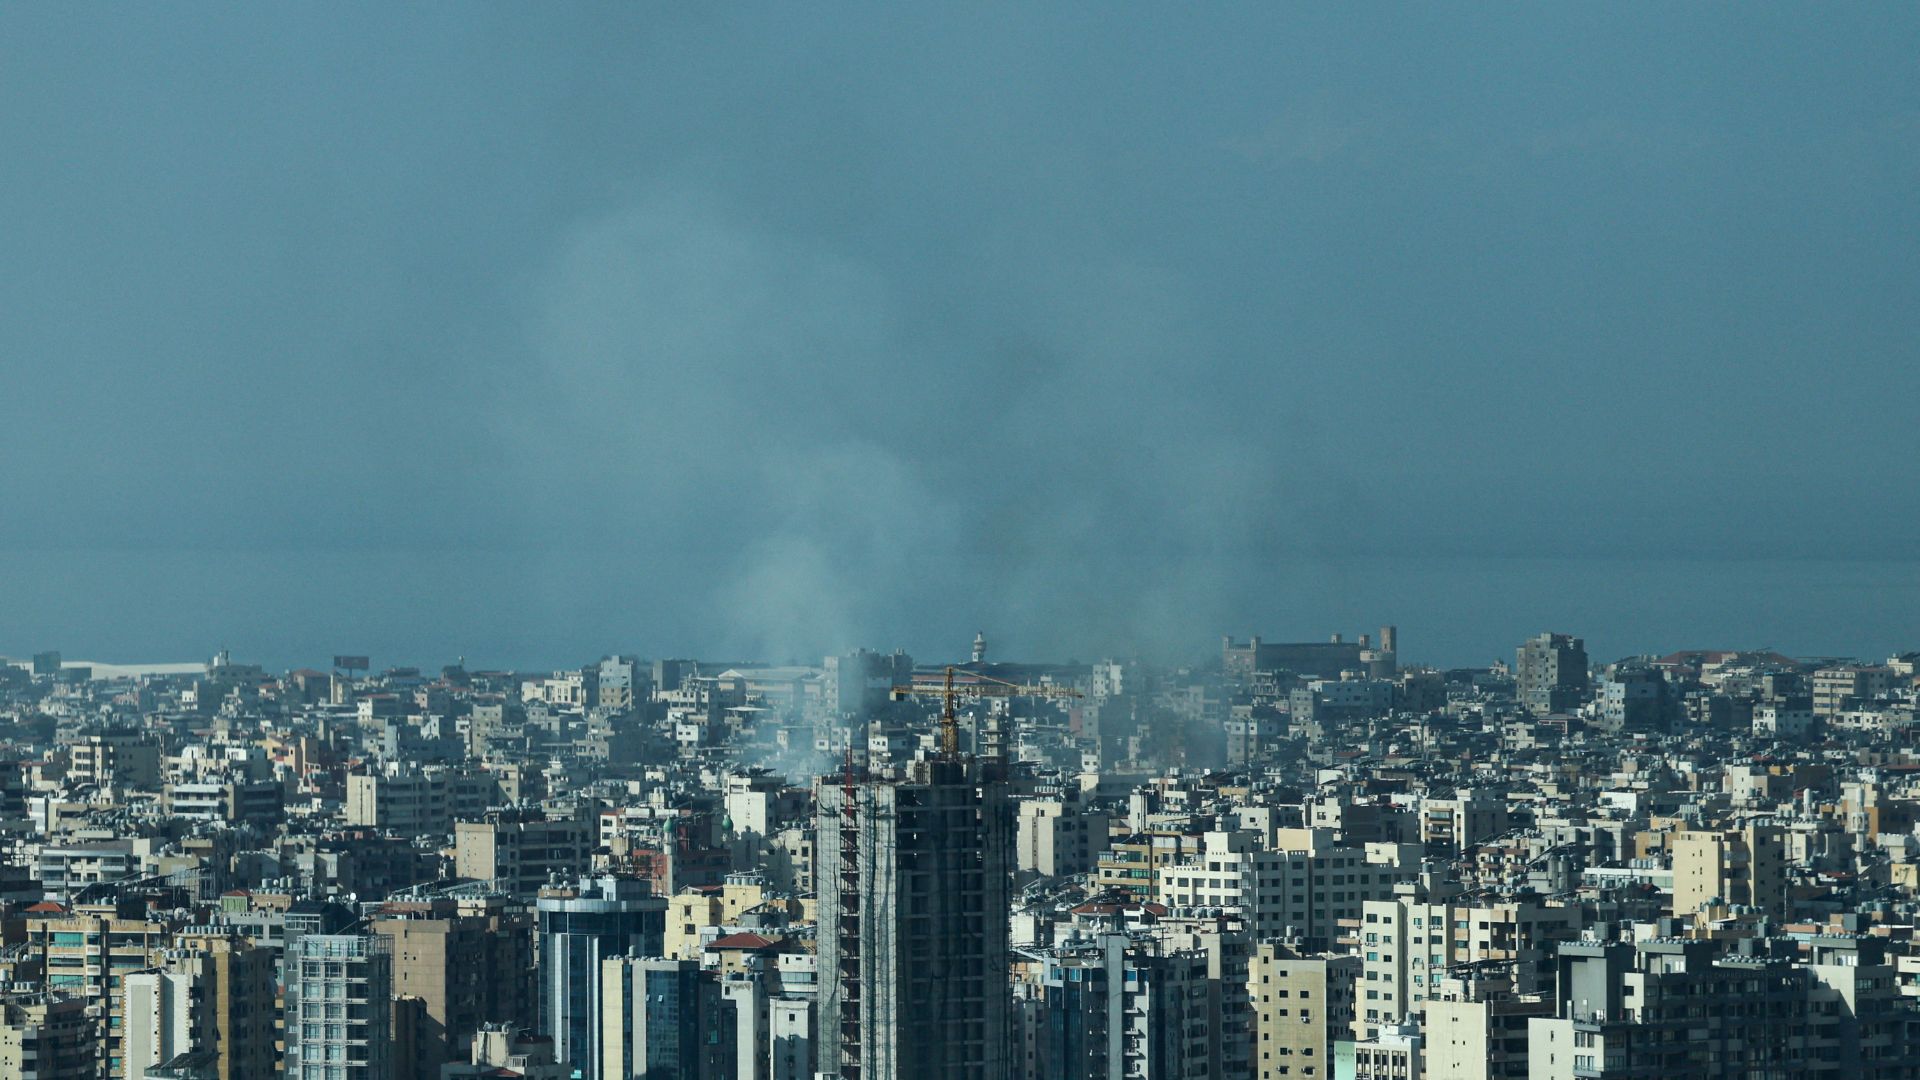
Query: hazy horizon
[1451,613]
[765,332]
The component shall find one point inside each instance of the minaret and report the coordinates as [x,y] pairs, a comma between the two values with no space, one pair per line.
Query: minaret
[980,647]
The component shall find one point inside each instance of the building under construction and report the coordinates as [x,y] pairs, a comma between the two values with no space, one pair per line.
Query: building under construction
[913,881]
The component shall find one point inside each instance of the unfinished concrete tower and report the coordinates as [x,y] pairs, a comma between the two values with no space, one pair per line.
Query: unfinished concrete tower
[913,888]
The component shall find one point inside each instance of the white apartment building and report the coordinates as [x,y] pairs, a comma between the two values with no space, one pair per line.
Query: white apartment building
[1407,944]
[1301,881]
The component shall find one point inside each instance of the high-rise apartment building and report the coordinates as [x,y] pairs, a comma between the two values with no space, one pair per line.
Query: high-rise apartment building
[156,1019]
[339,1007]
[1299,882]
[1734,867]
[1302,1005]
[1449,826]
[86,952]
[1480,1035]
[662,1017]
[1636,698]
[1837,689]
[412,800]
[121,757]
[913,881]
[1163,1031]
[1057,837]
[211,999]
[46,1036]
[861,681]
[1550,673]
[521,851]
[793,1038]
[1123,1005]
[620,679]
[1410,943]
[580,928]
[470,963]
[1227,951]
[1669,1007]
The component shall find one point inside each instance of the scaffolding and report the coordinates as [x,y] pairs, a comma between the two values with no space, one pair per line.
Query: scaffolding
[849,923]
[902,991]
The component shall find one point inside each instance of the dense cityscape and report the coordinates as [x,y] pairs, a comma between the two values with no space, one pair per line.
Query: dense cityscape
[599,540]
[1301,860]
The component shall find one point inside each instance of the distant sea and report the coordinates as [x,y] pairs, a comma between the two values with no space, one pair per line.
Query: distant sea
[549,609]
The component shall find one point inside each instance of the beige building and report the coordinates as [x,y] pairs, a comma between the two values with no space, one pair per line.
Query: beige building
[115,757]
[1466,819]
[698,909]
[86,953]
[469,962]
[1837,689]
[225,799]
[212,996]
[518,851]
[689,913]
[499,1051]
[65,869]
[1484,1039]
[790,861]
[46,1037]
[1302,1005]
[1744,866]
[1131,863]
[1054,837]
[157,1020]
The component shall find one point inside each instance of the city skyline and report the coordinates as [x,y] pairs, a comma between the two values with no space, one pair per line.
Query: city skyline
[1615,639]
[1003,541]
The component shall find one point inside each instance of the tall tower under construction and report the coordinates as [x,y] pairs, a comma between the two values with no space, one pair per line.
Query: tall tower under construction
[913,887]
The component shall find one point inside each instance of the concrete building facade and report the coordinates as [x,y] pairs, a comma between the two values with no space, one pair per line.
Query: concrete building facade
[1302,1005]
[339,1007]
[1550,673]
[1744,866]
[913,881]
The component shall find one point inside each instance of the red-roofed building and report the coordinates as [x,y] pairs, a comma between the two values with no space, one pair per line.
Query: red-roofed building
[731,953]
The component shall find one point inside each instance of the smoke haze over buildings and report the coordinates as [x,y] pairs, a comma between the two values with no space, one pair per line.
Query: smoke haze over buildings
[769,332]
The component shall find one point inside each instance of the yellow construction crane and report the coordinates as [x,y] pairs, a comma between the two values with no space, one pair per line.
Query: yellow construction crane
[950,692]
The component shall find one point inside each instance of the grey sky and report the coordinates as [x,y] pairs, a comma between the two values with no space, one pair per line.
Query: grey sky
[535,332]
